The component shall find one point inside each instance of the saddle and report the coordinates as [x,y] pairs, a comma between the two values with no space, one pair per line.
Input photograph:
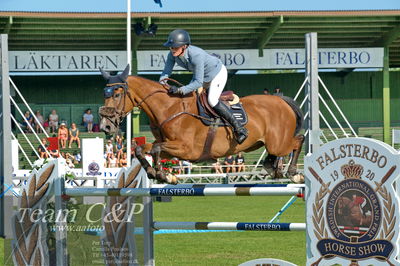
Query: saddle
[227,97]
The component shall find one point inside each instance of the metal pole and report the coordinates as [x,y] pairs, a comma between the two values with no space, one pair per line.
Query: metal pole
[148,239]
[6,200]
[386,96]
[312,123]
[61,221]
[129,60]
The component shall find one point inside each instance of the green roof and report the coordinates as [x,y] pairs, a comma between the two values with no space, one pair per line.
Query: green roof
[209,30]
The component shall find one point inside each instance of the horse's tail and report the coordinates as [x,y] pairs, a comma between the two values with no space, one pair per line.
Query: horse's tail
[296,109]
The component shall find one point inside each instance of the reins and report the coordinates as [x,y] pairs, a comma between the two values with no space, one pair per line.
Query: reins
[164,83]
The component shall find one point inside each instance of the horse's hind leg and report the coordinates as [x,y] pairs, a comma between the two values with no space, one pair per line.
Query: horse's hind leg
[298,143]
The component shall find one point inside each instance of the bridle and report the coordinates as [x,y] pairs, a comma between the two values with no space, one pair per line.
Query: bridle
[109,91]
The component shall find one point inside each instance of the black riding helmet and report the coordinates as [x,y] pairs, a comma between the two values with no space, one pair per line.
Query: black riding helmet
[177,38]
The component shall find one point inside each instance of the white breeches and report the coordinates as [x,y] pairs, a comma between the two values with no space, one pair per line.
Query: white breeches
[217,85]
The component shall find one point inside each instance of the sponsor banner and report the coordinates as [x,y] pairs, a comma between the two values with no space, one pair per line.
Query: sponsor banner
[276,58]
[353,209]
[240,59]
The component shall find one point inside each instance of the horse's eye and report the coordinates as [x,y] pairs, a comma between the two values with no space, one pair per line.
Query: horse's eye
[117,95]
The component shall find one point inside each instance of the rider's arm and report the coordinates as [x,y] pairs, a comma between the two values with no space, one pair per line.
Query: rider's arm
[169,66]
[198,74]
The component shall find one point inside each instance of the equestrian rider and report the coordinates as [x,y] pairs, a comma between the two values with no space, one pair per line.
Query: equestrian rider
[207,69]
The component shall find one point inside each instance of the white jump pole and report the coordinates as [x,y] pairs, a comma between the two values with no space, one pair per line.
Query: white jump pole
[311,89]
[129,61]
[6,201]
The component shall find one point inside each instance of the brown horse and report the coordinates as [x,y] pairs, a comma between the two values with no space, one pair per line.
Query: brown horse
[273,122]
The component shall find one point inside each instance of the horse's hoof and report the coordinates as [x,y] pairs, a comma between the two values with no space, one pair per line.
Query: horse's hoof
[160,176]
[172,179]
[297,178]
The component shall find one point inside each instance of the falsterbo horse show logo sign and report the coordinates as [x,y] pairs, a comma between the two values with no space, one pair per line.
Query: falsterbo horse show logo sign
[353,209]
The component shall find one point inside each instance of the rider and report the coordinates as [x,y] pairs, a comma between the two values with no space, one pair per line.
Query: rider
[206,69]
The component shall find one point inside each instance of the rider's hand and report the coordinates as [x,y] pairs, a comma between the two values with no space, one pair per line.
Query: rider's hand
[175,90]
[163,81]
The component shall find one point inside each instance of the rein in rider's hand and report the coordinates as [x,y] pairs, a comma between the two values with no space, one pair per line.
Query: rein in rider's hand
[175,90]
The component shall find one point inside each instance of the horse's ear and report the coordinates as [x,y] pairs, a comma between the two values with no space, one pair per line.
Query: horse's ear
[125,73]
[105,74]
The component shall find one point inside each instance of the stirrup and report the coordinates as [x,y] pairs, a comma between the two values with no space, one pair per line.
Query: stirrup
[241,136]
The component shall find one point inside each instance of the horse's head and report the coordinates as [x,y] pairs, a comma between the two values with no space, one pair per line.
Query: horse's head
[115,94]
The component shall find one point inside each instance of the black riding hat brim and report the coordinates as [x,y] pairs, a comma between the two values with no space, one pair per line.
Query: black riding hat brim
[173,45]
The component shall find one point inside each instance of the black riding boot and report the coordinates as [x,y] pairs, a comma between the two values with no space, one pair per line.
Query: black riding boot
[240,132]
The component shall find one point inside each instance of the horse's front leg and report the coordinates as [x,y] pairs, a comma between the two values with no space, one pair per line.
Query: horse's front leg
[140,155]
[160,174]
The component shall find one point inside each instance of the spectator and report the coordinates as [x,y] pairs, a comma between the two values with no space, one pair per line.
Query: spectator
[42,149]
[63,135]
[112,161]
[266,91]
[119,146]
[239,161]
[109,149]
[278,91]
[123,162]
[77,157]
[28,117]
[37,124]
[53,121]
[69,156]
[70,163]
[46,126]
[217,167]
[54,153]
[229,163]
[88,120]
[74,136]
[186,166]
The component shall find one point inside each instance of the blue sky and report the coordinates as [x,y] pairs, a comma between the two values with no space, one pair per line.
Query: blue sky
[193,5]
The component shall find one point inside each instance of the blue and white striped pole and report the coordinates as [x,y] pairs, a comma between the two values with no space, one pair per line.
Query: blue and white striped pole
[192,190]
[231,226]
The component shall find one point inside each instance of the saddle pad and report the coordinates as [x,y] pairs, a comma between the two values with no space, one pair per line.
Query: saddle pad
[237,110]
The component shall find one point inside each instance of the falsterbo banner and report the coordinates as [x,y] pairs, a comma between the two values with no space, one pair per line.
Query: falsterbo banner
[277,58]
[241,59]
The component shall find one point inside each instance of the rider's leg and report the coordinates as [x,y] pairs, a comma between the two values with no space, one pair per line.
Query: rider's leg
[215,90]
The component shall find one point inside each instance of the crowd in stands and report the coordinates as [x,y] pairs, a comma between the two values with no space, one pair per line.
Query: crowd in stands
[53,123]
[65,136]
[230,164]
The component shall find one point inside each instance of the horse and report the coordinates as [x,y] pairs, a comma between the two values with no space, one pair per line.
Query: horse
[273,122]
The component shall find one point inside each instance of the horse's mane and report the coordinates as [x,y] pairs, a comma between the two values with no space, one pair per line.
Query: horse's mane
[153,82]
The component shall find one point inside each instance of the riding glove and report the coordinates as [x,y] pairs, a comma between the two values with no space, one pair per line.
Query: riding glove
[175,90]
